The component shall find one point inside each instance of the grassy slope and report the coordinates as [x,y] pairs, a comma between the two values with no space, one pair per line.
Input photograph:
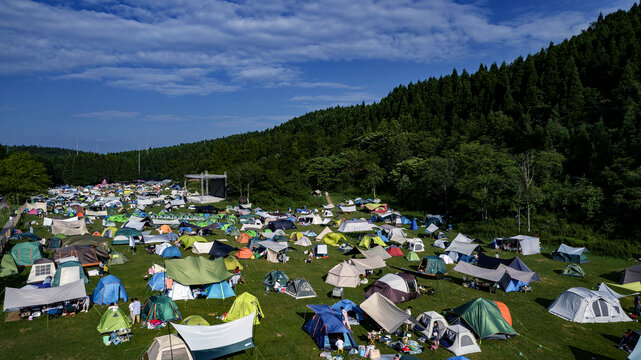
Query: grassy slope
[280,336]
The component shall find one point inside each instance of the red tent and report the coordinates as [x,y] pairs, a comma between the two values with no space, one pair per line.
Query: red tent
[394,250]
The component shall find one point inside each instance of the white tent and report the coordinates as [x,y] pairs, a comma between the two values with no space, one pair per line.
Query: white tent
[348,209]
[210,342]
[370,263]
[325,231]
[431,229]
[303,241]
[415,245]
[530,245]
[446,259]
[356,226]
[78,227]
[147,238]
[344,275]
[463,238]
[161,247]
[384,312]
[201,247]
[17,298]
[427,320]
[588,306]
[165,222]
[40,270]
[133,224]
[440,243]
[180,292]
[48,221]
[311,219]
[163,348]
[376,251]
[461,339]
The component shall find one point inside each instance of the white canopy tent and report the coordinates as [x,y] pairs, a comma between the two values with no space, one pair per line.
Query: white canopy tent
[18,298]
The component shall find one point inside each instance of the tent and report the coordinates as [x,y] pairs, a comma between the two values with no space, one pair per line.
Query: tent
[197,270]
[188,240]
[194,320]
[300,289]
[484,318]
[394,250]
[588,306]
[200,248]
[376,251]
[40,270]
[157,282]
[20,298]
[459,341]
[171,252]
[219,249]
[221,290]
[352,309]
[573,270]
[370,240]
[109,232]
[320,251]
[168,347]
[303,241]
[322,234]
[54,243]
[344,275]
[231,263]
[123,235]
[109,290]
[86,254]
[212,342]
[370,263]
[113,320]
[164,229]
[275,276]
[325,326]
[116,258]
[160,307]
[432,265]
[431,229]
[179,291]
[68,272]
[528,245]
[461,251]
[415,245]
[412,256]
[356,226]
[333,238]
[569,253]
[281,224]
[384,312]
[508,278]
[245,253]
[631,274]
[8,266]
[25,253]
[426,322]
[398,287]
[244,305]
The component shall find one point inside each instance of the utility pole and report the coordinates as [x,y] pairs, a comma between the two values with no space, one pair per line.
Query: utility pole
[139,161]
[76,146]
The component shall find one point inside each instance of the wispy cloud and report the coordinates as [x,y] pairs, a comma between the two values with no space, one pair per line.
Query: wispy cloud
[165,118]
[109,114]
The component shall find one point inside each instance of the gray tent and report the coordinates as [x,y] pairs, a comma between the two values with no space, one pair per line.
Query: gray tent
[588,306]
[300,289]
[18,298]
[459,340]
[631,274]
[385,313]
[457,248]
[376,251]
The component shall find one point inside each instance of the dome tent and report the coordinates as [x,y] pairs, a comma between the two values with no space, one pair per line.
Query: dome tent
[244,305]
[300,289]
[113,320]
[160,307]
[109,290]
[484,318]
[221,290]
[195,320]
[588,306]
[275,276]
[168,347]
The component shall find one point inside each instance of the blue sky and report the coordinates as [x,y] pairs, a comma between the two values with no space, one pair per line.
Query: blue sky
[116,75]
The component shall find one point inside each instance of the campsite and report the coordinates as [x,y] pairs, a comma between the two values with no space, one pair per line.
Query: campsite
[280,330]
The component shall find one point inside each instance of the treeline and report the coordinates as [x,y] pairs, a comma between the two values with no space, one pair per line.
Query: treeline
[556,133]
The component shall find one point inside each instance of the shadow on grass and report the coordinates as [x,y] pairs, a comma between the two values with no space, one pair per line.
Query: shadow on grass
[587,355]
[544,302]
[611,338]
[558,271]
[613,276]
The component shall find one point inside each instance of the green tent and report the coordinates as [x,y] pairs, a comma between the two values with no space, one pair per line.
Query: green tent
[67,272]
[160,307]
[366,241]
[101,243]
[24,254]
[275,276]
[187,240]
[484,318]
[412,256]
[432,265]
[8,266]
[197,270]
[244,305]
[116,258]
[194,320]
[54,243]
[333,238]
[231,262]
[113,320]
[573,270]
[118,218]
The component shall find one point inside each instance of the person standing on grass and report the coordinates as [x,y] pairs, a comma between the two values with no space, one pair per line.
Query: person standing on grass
[134,310]
[408,322]
[637,304]
[85,304]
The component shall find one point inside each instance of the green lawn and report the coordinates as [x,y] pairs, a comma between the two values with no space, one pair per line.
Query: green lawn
[279,336]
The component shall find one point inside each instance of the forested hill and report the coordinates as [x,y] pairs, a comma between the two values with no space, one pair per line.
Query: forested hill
[558,132]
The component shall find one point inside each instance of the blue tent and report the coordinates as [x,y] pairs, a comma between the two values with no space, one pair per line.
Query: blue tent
[414,226]
[511,285]
[221,290]
[324,323]
[310,233]
[157,282]
[349,305]
[109,290]
[383,237]
[406,221]
[171,252]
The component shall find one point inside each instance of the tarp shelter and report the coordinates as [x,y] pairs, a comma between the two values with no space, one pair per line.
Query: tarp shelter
[194,320]
[157,282]
[179,291]
[197,270]
[25,253]
[588,306]
[86,254]
[333,238]
[370,263]
[459,250]
[212,342]
[160,307]
[426,322]
[300,289]
[221,290]
[281,224]
[8,266]
[20,298]
[508,278]
[398,287]
[356,226]
[113,320]
[631,274]
[571,254]
[344,275]
[459,341]
[394,250]
[41,270]
[432,265]
[384,312]
[200,248]
[606,289]
[431,229]
[161,238]
[168,347]
[77,227]
[244,305]
[573,270]
[109,290]
[371,240]
[219,250]
[412,256]
[352,309]
[484,318]
[326,326]
[275,276]
[376,251]
[68,272]
[171,252]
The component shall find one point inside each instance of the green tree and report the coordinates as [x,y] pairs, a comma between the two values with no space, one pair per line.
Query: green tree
[22,176]
[374,176]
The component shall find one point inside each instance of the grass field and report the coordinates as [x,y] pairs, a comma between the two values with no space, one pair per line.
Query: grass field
[279,335]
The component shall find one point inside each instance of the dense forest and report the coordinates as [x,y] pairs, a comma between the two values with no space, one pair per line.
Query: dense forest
[556,134]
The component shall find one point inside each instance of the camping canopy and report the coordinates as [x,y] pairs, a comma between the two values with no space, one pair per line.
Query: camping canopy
[384,312]
[211,342]
[196,270]
[18,298]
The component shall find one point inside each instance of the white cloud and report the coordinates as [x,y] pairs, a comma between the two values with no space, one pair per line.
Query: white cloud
[199,46]
[164,118]
[109,114]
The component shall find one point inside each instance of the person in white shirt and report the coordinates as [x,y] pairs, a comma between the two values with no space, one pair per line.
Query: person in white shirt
[113,307]
[339,345]
[407,322]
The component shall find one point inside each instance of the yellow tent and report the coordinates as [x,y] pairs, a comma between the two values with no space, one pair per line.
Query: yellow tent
[231,262]
[188,240]
[333,238]
[635,286]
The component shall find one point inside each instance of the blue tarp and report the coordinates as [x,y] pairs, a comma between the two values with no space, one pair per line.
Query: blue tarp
[109,290]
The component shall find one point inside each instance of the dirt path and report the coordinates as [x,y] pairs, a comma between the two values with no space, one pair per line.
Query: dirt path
[329,199]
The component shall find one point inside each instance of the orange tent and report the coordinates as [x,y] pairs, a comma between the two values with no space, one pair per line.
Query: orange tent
[243,238]
[504,311]
[244,253]
[96,233]
[165,229]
